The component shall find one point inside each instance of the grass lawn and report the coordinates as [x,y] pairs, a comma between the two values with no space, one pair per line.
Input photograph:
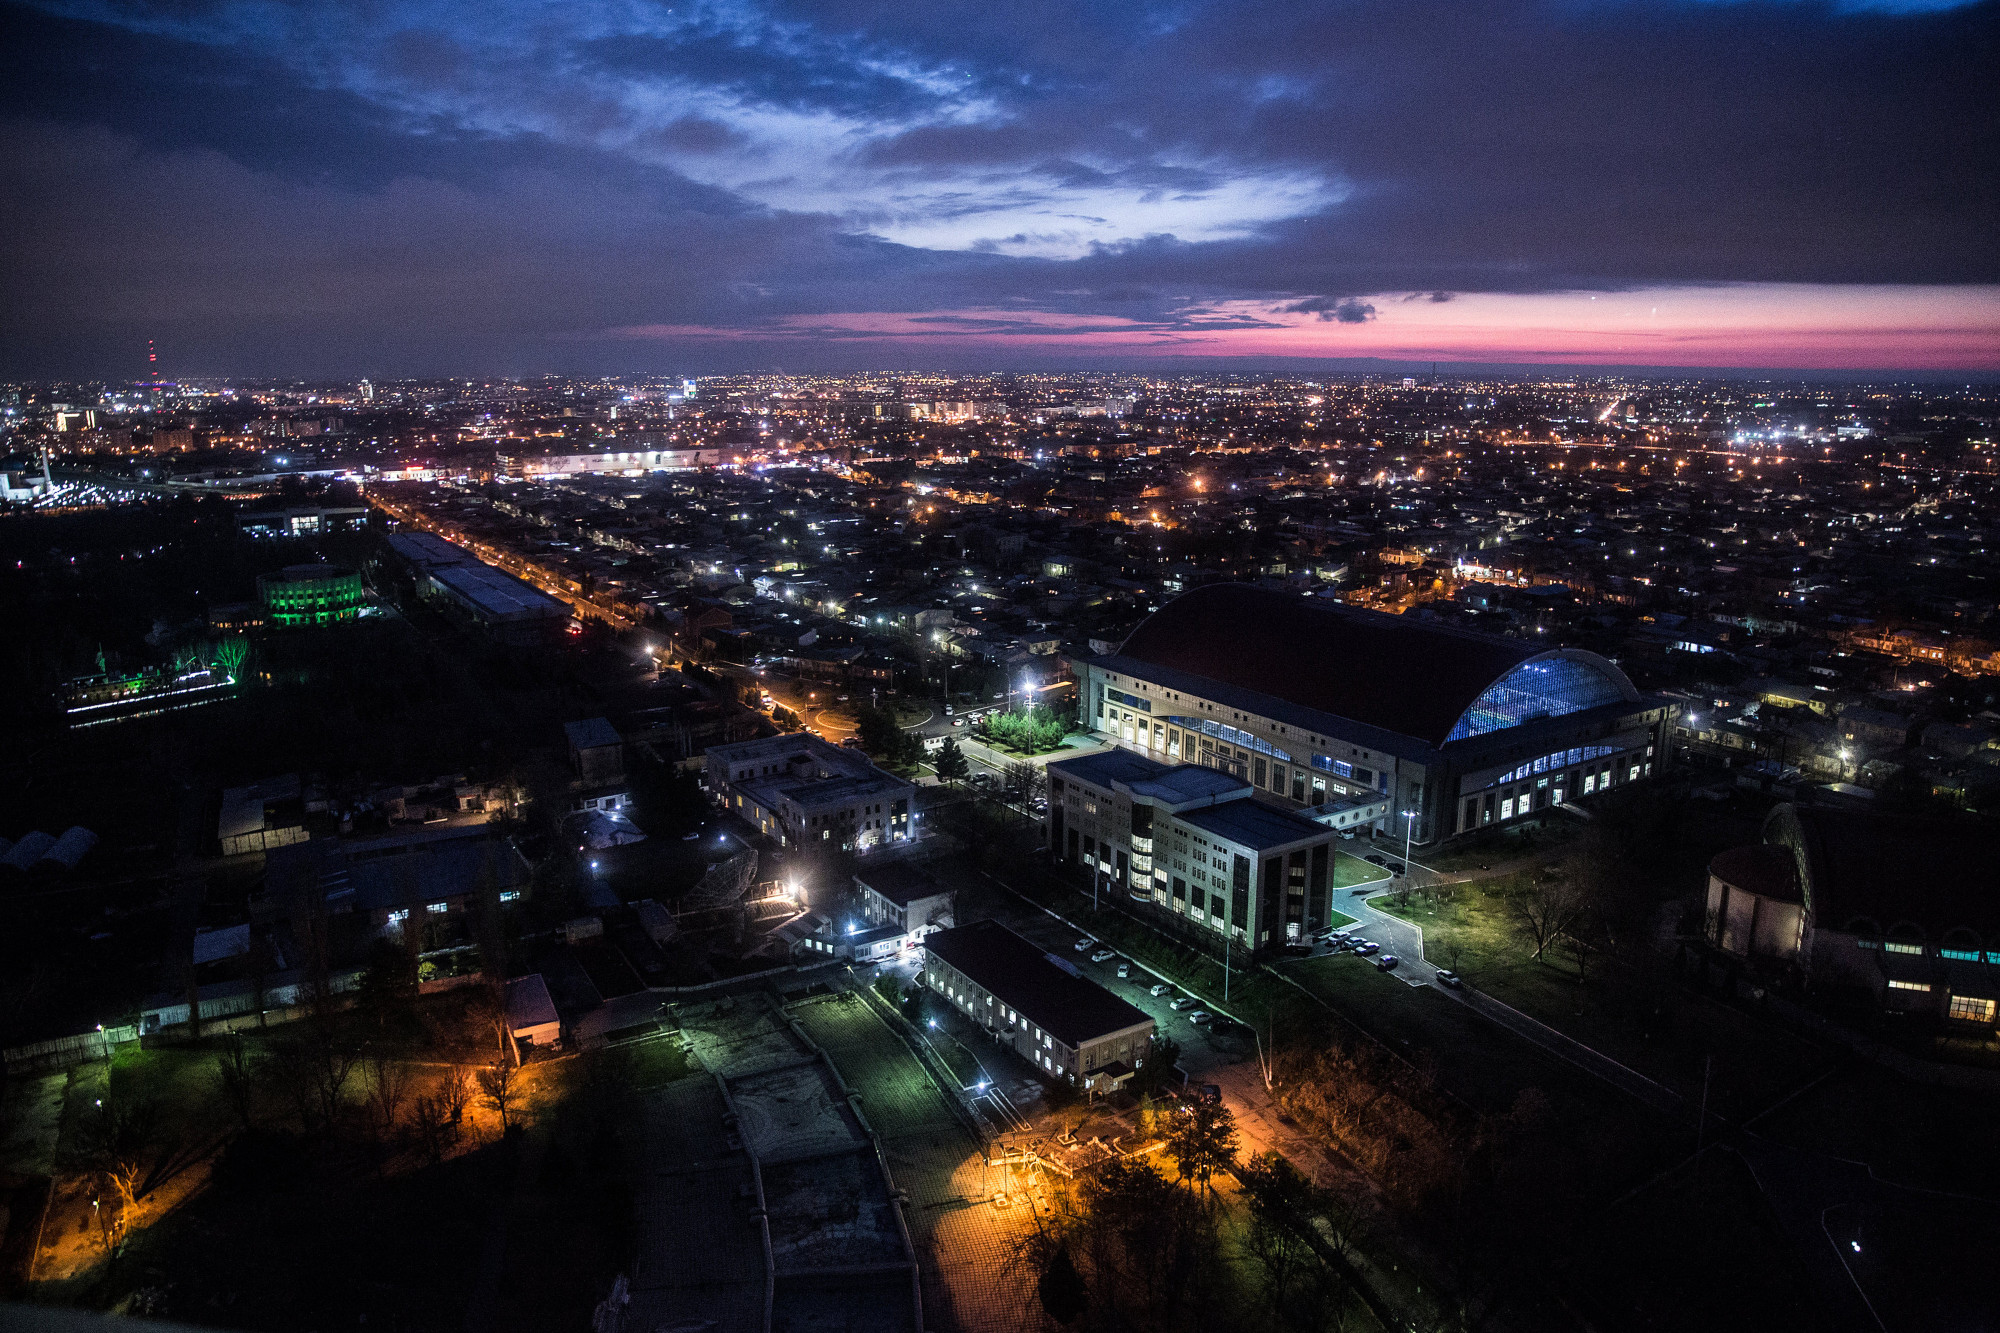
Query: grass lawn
[1350,870]
[1645,1022]
[1335,920]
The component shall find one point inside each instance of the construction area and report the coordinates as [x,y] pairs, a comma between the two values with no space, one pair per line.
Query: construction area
[813,1178]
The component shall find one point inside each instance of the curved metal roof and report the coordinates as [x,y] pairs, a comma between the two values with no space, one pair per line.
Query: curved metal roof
[1404,675]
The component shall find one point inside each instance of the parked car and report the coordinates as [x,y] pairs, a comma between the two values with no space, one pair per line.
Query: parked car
[1374,858]
[1298,951]
[690,837]
[1201,1018]
[1086,944]
[1102,956]
[1386,962]
[1451,979]
[1124,969]
[1162,989]
[1181,1002]
[1367,947]
[1396,869]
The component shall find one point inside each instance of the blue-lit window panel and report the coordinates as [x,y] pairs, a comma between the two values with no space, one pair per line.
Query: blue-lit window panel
[1961,955]
[1130,700]
[1549,688]
[1231,735]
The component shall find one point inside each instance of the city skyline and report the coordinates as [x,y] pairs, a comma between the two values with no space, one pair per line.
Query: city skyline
[283,190]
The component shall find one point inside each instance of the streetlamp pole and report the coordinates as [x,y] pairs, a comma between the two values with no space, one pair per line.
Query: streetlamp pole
[1409,827]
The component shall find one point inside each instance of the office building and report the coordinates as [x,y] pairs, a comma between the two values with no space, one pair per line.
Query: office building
[1313,703]
[1193,845]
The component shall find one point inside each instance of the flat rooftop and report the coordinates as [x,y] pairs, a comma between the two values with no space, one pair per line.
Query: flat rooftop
[497,595]
[1048,991]
[1250,823]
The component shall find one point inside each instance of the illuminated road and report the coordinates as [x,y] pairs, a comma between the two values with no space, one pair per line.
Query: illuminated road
[531,574]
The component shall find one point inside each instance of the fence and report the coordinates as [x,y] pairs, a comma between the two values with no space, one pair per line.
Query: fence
[63,1052]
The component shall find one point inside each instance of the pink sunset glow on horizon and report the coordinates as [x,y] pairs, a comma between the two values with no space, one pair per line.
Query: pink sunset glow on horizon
[1747,326]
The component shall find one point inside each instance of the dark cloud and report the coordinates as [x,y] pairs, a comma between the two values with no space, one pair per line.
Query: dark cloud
[1332,309]
[442,189]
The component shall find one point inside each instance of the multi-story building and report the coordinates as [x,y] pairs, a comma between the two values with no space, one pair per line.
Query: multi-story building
[1311,703]
[1037,1005]
[310,595]
[811,795]
[905,896]
[1193,845]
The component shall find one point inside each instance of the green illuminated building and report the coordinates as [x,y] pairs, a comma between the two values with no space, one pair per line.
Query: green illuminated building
[310,595]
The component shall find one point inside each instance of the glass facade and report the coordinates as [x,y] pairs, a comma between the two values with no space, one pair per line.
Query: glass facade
[1549,688]
[1208,726]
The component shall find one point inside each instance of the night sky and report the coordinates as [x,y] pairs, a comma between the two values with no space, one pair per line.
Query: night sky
[401,187]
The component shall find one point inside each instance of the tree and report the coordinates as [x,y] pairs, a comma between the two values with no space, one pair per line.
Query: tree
[454,1094]
[1301,1288]
[433,1125]
[332,1061]
[237,1076]
[388,1089]
[950,762]
[388,988]
[1061,1289]
[117,1141]
[499,1089]
[1026,777]
[1547,908]
[1201,1140]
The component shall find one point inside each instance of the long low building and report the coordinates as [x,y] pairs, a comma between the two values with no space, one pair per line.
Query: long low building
[1193,845]
[1437,730]
[615,461]
[1038,1005]
[811,795]
[1877,909]
[502,605]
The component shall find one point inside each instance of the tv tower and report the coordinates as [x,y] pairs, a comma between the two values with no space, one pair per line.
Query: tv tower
[152,359]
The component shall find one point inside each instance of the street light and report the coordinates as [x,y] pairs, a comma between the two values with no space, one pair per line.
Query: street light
[1409,827]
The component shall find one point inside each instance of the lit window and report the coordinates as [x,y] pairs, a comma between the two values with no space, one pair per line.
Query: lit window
[438,908]
[510,895]
[1972,1007]
[1917,949]
[1923,986]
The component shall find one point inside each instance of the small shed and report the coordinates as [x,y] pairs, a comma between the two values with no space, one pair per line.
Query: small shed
[531,1012]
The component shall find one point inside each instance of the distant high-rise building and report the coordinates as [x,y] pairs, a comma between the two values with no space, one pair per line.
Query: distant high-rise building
[367,392]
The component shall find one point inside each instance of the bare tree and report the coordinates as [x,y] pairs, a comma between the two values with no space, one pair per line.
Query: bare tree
[433,1124]
[1547,908]
[388,1089]
[486,1015]
[499,1089]
[454,1094]
[117,1141]
[290,1071]
[332,1062]
[237,1075]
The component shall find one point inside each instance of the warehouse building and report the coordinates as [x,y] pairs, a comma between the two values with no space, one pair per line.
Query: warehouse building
[1873,909]
[1037,1005]
[1311,703]
[498,603]
[1193,845]
[811,795]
